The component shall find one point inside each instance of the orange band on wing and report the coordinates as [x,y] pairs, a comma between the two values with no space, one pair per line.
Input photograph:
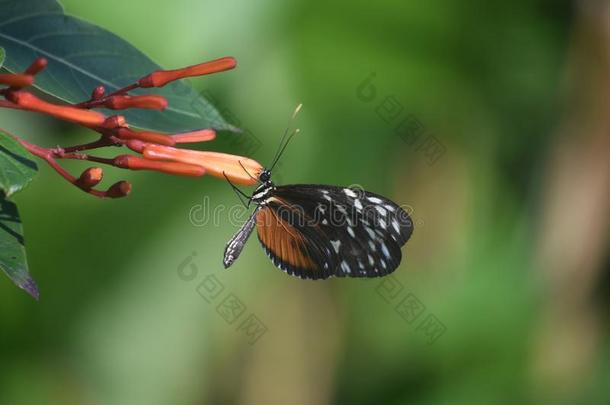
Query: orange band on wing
[283,240]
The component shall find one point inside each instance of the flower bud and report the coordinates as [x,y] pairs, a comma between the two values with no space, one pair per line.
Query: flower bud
[16,80]
[137,163]
[114,121]
[90,178]
[161,77]
[30,102]
[98,93]
[202,135]
[136,145]
[149,102]
[37,66]
[146,136]
[119,189]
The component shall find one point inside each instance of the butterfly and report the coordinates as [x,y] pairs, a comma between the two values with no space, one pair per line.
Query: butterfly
[317,231]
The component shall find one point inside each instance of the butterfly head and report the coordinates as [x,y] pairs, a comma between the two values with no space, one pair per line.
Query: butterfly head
[262,191]
[265,176]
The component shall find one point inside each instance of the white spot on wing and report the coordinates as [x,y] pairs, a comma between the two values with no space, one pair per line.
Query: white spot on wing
[345,267]
[382,223]
[324,222]
[381,210]
[371,261]
[349,193]
[370,232]
[350,230]
[375,200]
[395,226]
[336,245]
[385,250]
[357,204]
[372,246]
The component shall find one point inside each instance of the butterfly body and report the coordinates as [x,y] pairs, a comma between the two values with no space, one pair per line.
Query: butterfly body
[319,231]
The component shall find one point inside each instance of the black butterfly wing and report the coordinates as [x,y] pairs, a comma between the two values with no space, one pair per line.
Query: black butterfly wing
[318,231]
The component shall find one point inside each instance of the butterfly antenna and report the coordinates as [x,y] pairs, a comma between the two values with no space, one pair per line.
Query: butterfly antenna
[286,137]
[246,170]
[296,131]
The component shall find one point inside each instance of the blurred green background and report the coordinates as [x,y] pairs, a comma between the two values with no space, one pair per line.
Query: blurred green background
[509,253]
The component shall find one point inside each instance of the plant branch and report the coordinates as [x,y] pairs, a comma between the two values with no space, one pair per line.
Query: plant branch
[153,148]
[48,155]
[100,143]
[92,103]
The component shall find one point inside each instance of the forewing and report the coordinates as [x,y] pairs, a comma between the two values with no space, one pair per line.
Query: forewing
[299,251]
[352,232]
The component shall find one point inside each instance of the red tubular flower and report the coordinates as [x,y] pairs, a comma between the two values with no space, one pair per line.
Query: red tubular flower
[90,178]
[146,136]
[157,149]
[149,102]
[137,163]
[37,66]
[118,190]
[202,135]
[160,78]
[238,169]
[16,80]
[30,102]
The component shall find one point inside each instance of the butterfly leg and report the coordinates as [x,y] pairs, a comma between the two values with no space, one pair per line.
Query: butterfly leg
[240,194]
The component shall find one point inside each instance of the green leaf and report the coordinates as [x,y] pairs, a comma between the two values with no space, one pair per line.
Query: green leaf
[16,172]
[2,55]
[12,248]
[83,56]
[16,168]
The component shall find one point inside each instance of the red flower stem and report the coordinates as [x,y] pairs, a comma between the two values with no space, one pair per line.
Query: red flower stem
[91,103]
[95,103]
[100,143]
[53,163]
[60,153]
[8,104]
[82,156]
[124,90]
[48,156]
